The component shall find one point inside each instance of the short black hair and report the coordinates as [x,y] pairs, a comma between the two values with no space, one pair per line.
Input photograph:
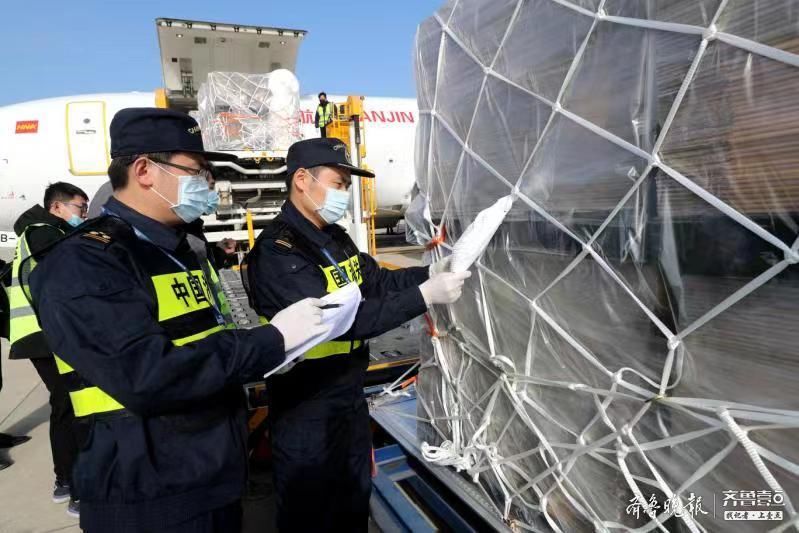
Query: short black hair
[320,95]
[61,191]
[290,178]
[118,169]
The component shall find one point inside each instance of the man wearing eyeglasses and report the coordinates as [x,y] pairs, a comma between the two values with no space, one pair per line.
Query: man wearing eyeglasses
[225,249]
[64,209]
[134,311]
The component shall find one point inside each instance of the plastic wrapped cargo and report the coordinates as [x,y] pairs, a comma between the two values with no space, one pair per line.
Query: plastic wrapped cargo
[625,357]
[250,111]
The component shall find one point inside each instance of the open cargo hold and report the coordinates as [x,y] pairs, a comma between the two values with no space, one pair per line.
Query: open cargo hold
[191,50]
[626,351]
[238,82]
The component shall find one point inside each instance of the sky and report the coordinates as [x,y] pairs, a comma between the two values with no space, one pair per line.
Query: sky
[56,48]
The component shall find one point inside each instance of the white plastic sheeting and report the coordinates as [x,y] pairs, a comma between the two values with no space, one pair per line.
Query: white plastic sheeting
[628,349]
[475,239]
[250,111]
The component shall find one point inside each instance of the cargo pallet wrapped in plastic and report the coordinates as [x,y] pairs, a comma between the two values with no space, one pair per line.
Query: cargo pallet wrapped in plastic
[255,112]
[626,355]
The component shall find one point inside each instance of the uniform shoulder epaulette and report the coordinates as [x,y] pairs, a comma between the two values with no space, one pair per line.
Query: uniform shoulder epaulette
[99,236]
[283,240]
[278,234]
[104,231]
[282,243]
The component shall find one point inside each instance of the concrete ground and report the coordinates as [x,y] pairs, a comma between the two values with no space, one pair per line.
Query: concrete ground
[26,487]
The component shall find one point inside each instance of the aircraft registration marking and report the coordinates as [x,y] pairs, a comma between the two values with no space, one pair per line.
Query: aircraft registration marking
[8,239]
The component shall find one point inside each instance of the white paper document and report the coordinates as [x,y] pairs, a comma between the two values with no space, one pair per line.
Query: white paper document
[339,319]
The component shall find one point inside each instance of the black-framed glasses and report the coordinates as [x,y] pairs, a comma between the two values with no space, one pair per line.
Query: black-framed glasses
[204,172]
[84,208]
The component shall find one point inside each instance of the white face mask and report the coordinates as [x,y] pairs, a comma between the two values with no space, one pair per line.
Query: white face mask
[335,206]
[193,196]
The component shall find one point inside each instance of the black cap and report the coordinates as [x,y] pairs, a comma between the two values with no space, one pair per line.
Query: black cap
[145,130]
[326,152]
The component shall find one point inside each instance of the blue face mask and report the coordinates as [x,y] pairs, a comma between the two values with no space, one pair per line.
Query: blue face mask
[213,203]
[193,195]
[336,204]
[75,221]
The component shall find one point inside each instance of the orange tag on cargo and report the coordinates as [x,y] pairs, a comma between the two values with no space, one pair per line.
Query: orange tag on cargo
[27,126]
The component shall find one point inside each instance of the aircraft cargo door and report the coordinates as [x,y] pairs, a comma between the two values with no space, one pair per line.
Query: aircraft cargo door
[87,139]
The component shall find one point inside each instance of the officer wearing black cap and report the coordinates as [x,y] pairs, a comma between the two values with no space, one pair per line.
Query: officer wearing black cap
[133,310]
[321,442]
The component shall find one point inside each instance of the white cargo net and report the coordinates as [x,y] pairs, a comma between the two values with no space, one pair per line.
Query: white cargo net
[249,112]
[625,358]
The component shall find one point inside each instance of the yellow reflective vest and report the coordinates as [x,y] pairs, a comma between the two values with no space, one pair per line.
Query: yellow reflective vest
[23,322]
[325,113]
[189,309]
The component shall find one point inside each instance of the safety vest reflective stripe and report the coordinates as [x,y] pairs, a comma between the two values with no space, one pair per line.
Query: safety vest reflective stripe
[198,336]
[181,298]
[62,366]
[326,349]
[86,400]
[24,327]
[325,112]
[91,401]
[22,312]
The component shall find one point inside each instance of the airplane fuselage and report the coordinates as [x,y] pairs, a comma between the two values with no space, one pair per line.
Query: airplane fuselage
[66,139]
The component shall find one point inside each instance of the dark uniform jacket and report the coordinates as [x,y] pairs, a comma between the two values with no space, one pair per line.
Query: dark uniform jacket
[289,266]
[179,448]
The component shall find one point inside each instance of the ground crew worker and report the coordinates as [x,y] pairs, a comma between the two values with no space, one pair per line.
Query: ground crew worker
[6,440]
[134,312]
[64,209]
[321,442]
[325,112]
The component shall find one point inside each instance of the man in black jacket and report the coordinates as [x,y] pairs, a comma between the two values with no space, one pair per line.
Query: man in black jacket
[64,209]
[145,340]
[319,419]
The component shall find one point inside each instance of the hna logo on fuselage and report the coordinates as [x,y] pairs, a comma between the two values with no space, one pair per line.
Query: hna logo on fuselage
[27,126]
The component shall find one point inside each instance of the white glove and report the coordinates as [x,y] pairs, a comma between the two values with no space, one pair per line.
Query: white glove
[444,288]
[439,267]
[300,322]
